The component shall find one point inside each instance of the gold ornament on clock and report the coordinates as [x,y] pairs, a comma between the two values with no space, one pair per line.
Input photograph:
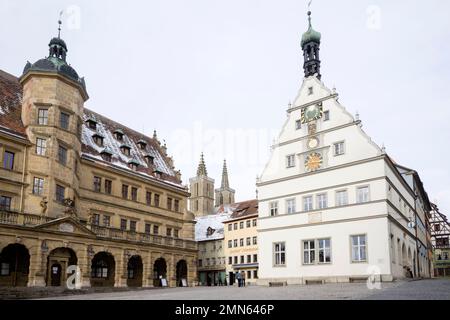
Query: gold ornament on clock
[313,162]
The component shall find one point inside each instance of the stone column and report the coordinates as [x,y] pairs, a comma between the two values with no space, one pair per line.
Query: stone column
[120,280]
[84,262]
[171,274]
[38,265]
[147,272]
[192,271]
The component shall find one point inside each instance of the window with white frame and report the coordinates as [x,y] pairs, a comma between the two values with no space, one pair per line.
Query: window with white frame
[290,206]
[38,186]
[324,250]
[359,248]
[362,194]
[308,203]
[309,252]
[290,161]
[339,148]
[43,117]
[41,146]
[341,198]
[322,201]
[279,254]
[273,208]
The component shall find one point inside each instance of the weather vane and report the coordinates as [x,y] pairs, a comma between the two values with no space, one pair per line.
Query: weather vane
[60,23]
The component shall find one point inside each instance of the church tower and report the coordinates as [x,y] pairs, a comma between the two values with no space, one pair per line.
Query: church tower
[311,47]
[202,191]
[52,109]
[224,195]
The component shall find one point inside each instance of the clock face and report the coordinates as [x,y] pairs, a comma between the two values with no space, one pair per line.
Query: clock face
[313,143]
[312,113]
[313,162]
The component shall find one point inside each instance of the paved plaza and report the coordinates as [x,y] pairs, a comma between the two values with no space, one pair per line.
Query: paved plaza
[435,289]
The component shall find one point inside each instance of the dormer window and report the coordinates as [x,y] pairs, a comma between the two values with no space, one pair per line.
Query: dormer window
[142,144]
[150,160]
[118,134]
[92,124]
[98,139]
[126,150]
[133,165]
[106,155]
[158,174]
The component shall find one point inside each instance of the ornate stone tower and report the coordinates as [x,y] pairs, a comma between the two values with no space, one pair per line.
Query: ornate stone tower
[52,109]
[202,191]
[311,47]
[224,195]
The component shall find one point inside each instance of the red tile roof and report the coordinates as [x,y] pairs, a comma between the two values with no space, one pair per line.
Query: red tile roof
[240,210]
[10,121]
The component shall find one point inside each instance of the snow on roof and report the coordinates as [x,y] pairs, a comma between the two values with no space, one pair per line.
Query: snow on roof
[215,222]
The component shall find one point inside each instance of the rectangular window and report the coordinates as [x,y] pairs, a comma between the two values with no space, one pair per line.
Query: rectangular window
[255,258]
[8,160]
[200,262]
[124,191]
[242,259]
[96,219]
[156,200]
[248,241]
[43,117]
[134,193]
[298,124]
[4,269]
[230,227]
[64,119]
[123,224]
[148,228]
[255,241]
[41,146]
[156,230]
[230,260]
[235,243]
[359,248]
[241,242]
[324,250]
[273,208]
[176,205]
[235,226]
[169,232]
[169,203]
[235,260]
[290,161]
[62,155]
[106,221]
[279,250]
[230,244]
[322,201]
[5,203]
[241,225]
[148,198]
[255,222]
[341,198]
[326,115]
[248,223]
[97,184]
[362,194]
[133,225]
[308,203]
[38,186]
[255,274]
[309,252]
[290,206]
[60,193]
[339,148]
[249,258]
[108,186]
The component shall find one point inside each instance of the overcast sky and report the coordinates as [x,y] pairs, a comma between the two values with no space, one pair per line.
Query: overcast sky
[217,76]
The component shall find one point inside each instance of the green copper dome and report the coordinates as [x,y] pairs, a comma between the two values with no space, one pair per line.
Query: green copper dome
[311,35]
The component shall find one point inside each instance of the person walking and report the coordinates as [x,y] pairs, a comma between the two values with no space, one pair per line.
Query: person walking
[239,279]
[243,278]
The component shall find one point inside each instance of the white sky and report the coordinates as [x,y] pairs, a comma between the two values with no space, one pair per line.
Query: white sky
[216,76]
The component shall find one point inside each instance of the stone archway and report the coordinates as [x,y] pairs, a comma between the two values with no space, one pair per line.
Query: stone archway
[134,271]
[103,269]
[182,273]
[159,272]
[14,266]
[58,262]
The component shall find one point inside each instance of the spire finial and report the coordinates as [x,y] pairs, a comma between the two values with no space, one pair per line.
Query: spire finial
[309,12]
[225,182]
[59,24]
[201,171]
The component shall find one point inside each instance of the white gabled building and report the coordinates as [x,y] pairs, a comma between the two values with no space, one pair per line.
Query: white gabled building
[333,206]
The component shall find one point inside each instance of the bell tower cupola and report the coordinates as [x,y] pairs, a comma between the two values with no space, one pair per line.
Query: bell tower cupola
[311,47]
